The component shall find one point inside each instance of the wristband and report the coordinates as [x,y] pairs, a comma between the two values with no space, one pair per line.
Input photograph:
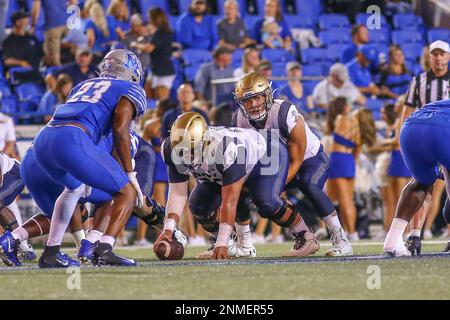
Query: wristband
[224,234]
[170,224]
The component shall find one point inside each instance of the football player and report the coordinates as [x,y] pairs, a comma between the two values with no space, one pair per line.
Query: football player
[308,167]
[223,160]
[67,150]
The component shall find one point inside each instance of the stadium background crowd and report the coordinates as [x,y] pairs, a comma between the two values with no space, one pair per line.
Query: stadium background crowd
[314,52]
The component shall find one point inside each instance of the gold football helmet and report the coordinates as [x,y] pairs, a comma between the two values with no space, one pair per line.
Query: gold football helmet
[254,95]
[187,138]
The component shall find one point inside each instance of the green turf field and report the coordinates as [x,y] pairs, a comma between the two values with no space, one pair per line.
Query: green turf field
[267,277]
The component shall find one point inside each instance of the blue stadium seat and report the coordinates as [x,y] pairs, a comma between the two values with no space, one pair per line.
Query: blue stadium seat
[309,85]
[27,107]
[196,56]
[412,51]
[13,6]
[279,69]
[5,90]
[250,20]
[314,55]
[310,8]
[29,92]
[438,34]
[312,70]
[242,7]
[407,21]
[361,18]
[190,72]
[8,105]
[277,55]
[374,104]
[146,5]
[299,21]
[379,36]
[333,20]
[183,5]
[236,58]
[383,51]
[406,36]
[335,50]
[330,37]
[173,20]
[179,78]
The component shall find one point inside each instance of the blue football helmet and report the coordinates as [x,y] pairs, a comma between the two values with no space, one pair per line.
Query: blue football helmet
[122,64]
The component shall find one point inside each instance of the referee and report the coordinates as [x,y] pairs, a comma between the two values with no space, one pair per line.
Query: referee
[427,87]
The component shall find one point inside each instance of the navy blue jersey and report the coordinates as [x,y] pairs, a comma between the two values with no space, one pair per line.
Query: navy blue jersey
[92,104]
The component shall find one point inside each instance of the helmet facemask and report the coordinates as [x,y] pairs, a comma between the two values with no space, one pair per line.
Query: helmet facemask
[255,106]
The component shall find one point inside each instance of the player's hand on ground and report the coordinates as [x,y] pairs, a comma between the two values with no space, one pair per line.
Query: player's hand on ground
[133,180]
[220,253]
[166,235]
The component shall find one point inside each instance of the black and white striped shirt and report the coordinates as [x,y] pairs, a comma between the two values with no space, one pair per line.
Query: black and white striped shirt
[426,88]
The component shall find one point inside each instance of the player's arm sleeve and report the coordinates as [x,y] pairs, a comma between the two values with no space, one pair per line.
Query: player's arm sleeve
[233,166]
[166,154]
[136,95]
[412,96]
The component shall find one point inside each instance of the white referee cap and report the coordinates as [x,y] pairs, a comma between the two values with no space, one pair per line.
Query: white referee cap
[439,44]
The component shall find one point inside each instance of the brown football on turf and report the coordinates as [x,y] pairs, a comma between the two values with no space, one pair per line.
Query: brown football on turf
[165,250]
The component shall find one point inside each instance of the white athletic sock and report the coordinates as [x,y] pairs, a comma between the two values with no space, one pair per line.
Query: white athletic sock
[15,209]
[78,236]
[94,235]
[301,226]
[108,239]
[64,207]
[395,234]
[415,232]
[20,234]
[333,223]
[244,232]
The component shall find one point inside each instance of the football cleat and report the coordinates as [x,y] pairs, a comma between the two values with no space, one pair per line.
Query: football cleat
[414,245]
[26,252]
[341,246]
[447,248]
[180,237]
[59,260]
[232,249]
[104,256]
[86,251]
[8,250]
[304,244]
[245,247]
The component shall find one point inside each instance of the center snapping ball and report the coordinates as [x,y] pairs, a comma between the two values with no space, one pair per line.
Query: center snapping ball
[166,250]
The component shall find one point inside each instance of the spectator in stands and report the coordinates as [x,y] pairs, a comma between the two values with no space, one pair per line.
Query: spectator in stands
[272,11]
[250,62]
[118,9]
[76,37]
[359,70]
[3,14]
[55,13]
[52,98]
[271,34]
[185,97]
[293,90]
[196,29]
[394,76]
[231,29]
[102,31]
[219,68]
[7,135]
[265,69]
[21,49]
[337,84]
[79,71]
[360,36]
[138,34]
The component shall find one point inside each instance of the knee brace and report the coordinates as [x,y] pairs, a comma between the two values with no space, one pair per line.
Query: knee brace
[285,216]
[244,207]
[208,222]
[7,219]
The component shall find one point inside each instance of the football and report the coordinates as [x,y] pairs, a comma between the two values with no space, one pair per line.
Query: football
[165,250]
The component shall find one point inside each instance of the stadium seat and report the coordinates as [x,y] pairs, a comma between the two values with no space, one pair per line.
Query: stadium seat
[242,7]
[312,70]
[279,69]
[8,105]
[314,55]
[190,72]
[361,18]
[334,51]
[27,108]
[146,5]
[13,6]
[310,8]
[299,21]
[250,20]
[5,90]
[438,34]
[406,36]
[309,85]
[277,55]
[196,56]
[332,20]
[407,21]
[383,51]
[236,59]
[379,36]
[374,104]
[29,92]
[173,20]
[179,78]
[183,5]
[412,51]
[330,37]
